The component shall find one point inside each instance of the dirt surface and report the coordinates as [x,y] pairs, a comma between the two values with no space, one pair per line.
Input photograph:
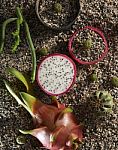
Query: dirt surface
[100,132]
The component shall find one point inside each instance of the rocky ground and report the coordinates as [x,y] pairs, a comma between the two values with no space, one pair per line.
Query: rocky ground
[100,132]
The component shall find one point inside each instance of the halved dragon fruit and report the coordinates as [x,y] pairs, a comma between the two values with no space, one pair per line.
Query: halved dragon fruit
[56,74]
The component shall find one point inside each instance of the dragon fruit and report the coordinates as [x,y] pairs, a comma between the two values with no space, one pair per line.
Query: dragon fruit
[55,125]
[56,74]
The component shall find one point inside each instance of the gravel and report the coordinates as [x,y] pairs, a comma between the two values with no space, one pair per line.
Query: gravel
[100,132]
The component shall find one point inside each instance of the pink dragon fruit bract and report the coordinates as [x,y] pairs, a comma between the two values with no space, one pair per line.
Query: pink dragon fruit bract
[56,74]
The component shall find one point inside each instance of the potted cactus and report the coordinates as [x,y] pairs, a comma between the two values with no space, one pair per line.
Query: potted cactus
[88,45]
[58,14]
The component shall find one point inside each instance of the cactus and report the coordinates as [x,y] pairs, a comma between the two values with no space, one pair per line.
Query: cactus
[21,139]
[58,7]
[87,44]
[93,77]
[105,101]
[43,51]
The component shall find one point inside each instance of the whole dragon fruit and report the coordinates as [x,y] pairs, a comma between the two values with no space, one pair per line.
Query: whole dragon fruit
[56,125]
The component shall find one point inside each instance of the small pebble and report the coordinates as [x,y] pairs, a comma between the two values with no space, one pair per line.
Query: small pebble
[114,81]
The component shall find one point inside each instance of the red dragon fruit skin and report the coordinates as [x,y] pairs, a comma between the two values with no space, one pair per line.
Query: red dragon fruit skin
[56,125]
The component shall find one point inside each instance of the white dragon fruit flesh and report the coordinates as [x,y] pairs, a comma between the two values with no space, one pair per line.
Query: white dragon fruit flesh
[56,74]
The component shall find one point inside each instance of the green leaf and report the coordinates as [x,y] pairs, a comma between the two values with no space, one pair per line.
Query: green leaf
[52,138]
[33,53]
[2,36]
[29,100]
[16,37]
[54,98]
[19,76]
[11,91]
[19,15]
[26,132]
[16,34]
[66,110]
